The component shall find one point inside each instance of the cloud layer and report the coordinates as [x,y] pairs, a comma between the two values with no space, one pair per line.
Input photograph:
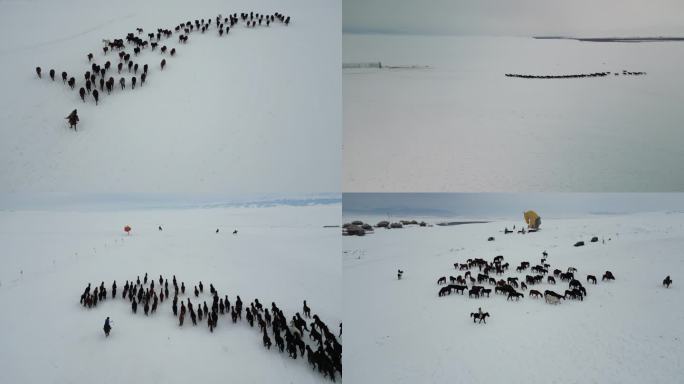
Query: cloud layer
[515,18]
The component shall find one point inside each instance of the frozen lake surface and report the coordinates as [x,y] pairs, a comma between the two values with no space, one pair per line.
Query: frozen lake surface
[461,125]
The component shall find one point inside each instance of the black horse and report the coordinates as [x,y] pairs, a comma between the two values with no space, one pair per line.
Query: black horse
[514,295]
[481,317]
[444,291]
[266,340]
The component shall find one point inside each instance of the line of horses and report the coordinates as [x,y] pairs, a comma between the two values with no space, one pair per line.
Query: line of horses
[102,74]
[315,340]
[574,76]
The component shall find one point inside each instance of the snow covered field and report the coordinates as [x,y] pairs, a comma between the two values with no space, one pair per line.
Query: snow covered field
[461,125]
[281,254]
[627,331]
[224,114]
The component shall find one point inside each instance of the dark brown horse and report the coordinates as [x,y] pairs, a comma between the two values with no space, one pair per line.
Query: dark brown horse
[481,317]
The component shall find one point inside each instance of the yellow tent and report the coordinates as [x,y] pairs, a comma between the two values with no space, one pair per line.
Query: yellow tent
[532,219]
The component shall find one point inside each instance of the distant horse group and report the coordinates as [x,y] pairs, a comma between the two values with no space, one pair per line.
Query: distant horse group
[574,76]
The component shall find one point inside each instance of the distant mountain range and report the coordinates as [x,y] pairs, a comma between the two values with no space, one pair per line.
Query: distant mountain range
[613,39]
[159,201]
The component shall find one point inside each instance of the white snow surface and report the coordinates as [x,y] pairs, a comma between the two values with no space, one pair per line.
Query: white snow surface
[281,254]
[256,110]
[461,125]
[630,330]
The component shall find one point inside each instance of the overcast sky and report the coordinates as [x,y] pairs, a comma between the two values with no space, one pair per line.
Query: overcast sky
[516,17]
[485,205]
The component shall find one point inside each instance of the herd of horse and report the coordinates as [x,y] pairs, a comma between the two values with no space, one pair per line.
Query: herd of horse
[575,76]
[101,74]
[316,341]
[513,287]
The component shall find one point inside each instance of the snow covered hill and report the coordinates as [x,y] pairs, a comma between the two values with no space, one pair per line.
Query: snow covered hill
[256,110]
[626,331]
[281,254]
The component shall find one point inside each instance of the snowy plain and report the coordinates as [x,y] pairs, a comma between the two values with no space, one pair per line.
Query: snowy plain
[281,253]
[223,116]
[461,125]
[627,331]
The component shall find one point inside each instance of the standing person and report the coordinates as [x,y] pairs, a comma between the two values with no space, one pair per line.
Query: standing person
[107,327]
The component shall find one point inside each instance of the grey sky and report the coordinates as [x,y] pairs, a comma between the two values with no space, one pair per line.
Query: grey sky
[515,17]
[483,205]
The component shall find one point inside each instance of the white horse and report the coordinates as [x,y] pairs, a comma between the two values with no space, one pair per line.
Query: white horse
[551,299]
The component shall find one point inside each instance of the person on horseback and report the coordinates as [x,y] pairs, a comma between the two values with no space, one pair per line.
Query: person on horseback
[72,119]
[107,327]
